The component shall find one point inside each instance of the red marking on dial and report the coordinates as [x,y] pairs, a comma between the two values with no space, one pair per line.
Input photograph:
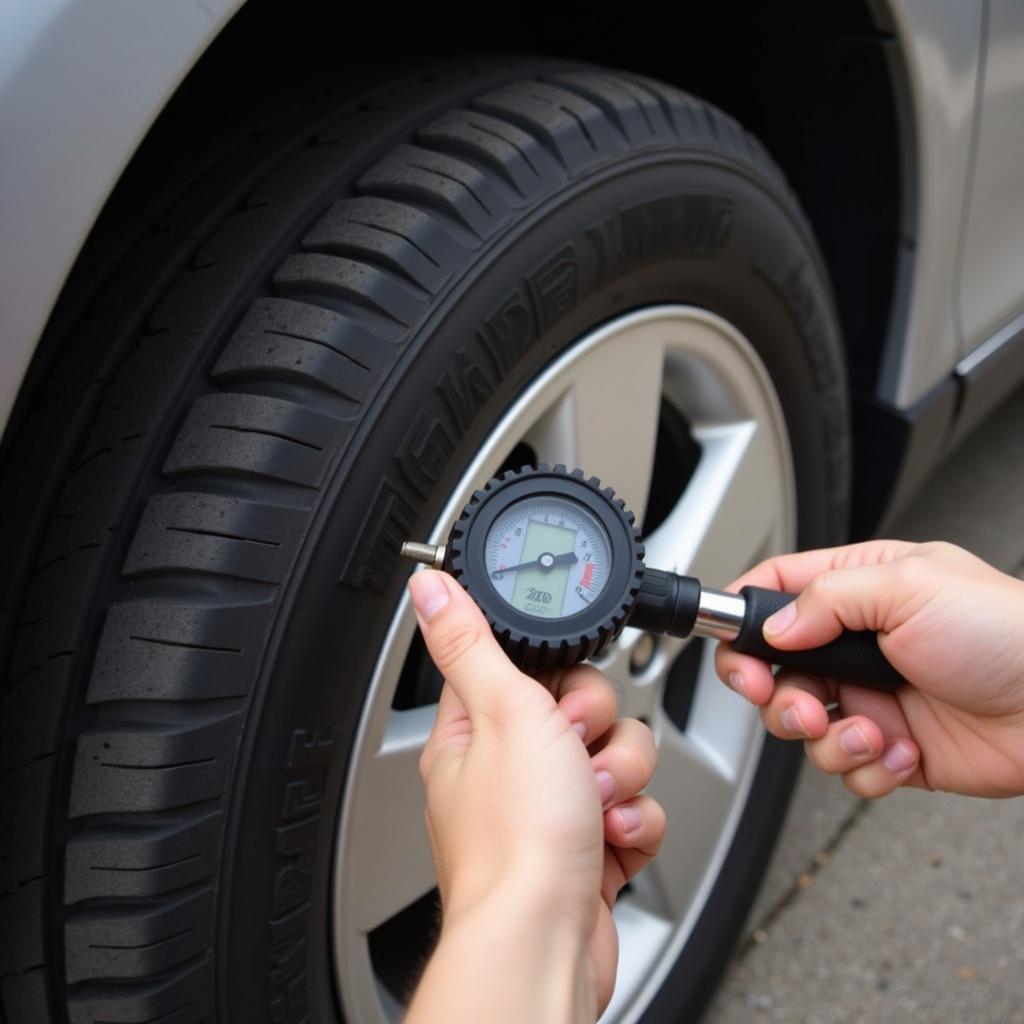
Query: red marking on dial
[588,576]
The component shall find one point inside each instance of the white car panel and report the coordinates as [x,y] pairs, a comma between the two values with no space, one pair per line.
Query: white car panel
[97,74]
[941,41]
[992,285]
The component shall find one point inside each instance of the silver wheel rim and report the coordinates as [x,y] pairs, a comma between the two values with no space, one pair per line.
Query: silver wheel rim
[597,407]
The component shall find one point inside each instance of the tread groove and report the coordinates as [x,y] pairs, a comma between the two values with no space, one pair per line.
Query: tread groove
[487,130]
[457,181]
[583,127]
[664,104]
[353,250]
[148,867]
[224,477]
[640,94]
[219,533]
[146,945]
[307,275]
[91,457]
[157,767]
[265,433]
[317,341]
[405,238]
[712,127]
[191,647]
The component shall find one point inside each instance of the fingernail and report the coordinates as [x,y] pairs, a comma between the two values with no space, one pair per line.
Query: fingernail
[580,728]
[777,624]
[605,786]
[898,757]
[737,683]
[629,818]
[429,594]
[792,722]
[854,742]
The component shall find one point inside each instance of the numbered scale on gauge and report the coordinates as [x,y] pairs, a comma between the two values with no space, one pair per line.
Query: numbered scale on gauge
[548,557]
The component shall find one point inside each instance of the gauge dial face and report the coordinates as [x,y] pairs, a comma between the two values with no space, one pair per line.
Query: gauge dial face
[548,557]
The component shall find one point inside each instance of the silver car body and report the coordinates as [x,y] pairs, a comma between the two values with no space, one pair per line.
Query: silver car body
[80,85]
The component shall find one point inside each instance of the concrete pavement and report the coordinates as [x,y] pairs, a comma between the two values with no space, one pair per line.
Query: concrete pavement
[910,908]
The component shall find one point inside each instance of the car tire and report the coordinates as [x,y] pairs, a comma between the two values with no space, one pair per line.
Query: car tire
[279,383]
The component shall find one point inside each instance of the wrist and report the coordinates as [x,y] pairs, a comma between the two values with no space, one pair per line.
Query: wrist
[535,890]
[516,950]
[526,903]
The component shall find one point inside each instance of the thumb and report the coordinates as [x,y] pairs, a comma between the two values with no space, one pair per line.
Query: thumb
[462,646]
[875,597]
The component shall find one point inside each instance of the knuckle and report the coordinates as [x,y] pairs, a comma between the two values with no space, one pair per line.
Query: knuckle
[658,817]
[601,692]
[609,704]
[912,571]
[821,760]
[823,586]
[650,747]
[637,767]
[763,569]
[559,682]
[940,549]
[868,786]
[492,716]
[906,573]
[608,699]
[854,784]
[725,657]
[454,643]
[655,825]
[423,764]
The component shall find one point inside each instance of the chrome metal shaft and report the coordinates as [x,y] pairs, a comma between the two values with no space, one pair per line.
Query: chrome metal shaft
[719,614]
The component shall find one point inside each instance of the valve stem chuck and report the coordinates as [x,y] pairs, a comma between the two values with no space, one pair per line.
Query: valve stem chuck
[428,554]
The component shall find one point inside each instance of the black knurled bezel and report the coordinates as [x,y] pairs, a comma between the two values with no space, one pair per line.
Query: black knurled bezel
[539,645]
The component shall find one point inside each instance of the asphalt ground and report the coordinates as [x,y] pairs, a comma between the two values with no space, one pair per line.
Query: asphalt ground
[909,908]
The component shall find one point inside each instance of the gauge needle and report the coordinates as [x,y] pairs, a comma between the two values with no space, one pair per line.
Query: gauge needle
[545,561]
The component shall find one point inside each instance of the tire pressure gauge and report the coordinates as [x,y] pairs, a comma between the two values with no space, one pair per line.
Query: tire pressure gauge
[555,563]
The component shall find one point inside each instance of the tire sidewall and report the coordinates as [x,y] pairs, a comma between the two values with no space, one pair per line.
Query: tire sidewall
[596,250]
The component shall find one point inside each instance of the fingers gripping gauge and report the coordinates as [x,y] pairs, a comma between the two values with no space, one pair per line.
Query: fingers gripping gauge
[555,563]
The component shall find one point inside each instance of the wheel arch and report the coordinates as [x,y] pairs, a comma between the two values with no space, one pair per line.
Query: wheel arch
[62,63]
[821,85]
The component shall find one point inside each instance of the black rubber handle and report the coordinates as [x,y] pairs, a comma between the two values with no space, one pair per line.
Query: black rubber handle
[853,656]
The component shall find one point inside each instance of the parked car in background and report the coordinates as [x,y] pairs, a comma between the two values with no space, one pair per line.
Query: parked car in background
[284,282]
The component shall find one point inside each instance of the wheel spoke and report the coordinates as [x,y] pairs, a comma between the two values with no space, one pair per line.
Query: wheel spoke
[392,859]
[638,696]
[721,722]
[695,787]
[641,935]
[719,526]
[606,420]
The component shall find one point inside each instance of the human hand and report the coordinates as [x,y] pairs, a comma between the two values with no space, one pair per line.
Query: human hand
[949,623]
[523,818]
